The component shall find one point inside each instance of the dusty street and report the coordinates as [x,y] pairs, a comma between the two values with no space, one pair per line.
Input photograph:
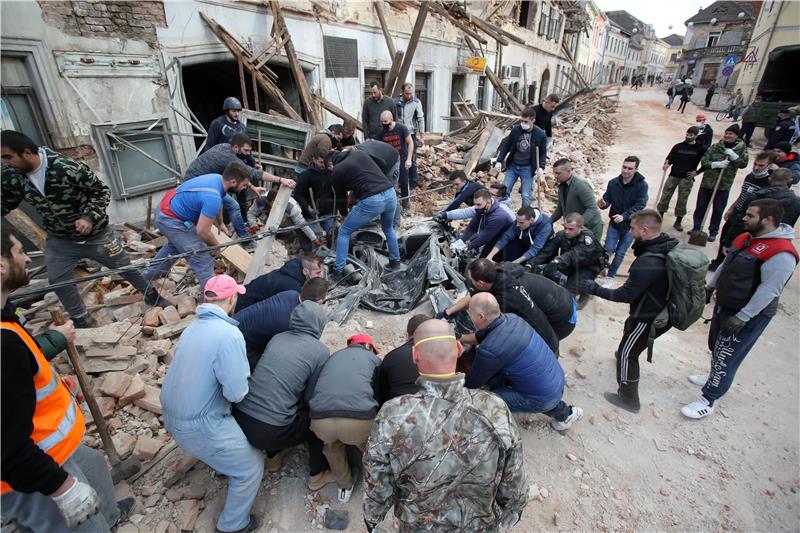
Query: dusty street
[736,470]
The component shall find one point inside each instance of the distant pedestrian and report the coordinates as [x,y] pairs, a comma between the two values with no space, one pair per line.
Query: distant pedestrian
[686,94]
[705,133]
[544,116]
[749,119]
[710,93]
[783,131]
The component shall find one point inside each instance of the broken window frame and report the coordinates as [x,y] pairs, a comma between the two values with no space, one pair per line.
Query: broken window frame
[254,120]
[543,19]
[110,137]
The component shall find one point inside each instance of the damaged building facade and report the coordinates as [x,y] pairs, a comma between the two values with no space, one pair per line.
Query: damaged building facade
[130,87]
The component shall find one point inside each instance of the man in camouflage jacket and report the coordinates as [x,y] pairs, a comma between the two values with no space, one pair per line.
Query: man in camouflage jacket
[447,458]
[72,201]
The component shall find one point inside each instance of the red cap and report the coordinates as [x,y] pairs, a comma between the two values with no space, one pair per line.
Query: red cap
[700,117]
[363,338]
[223,286]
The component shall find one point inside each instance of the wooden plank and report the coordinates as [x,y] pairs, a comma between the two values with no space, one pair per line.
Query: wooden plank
[240,53]
[235,254]
[265,245]
[242,85]
[477,150]
[294,65]
[509,99]
[438,8]
[378,5]
[489,29]
[256,104]
[408,56]
[27,227]
[391,78]
[331,107]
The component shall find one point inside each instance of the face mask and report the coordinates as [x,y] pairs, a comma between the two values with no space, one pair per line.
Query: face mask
[386,127]
[526,127]
[761,173]
[480,211]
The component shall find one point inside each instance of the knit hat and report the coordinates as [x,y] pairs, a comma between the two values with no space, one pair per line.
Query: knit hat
[363,338]
[784,147]
[734,128]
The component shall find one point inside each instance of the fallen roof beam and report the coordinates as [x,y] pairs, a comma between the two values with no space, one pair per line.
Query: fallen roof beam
[513,105]
[261,255]
[490,29]
[332,108]
[391,78]
[378,5]
[441,10]
[411,48]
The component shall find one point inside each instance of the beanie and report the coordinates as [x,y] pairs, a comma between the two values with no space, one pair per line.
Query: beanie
[734,128]
[784,147]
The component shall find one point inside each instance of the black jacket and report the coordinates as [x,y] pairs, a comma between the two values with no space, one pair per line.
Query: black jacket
[384,155]
[397,374]
[554,300]
[783,131]
[685,157]
[25,467]
[316,182]
[356,171]
[289,277]
[646,287]
[572,254]
[788,199]
[625,199]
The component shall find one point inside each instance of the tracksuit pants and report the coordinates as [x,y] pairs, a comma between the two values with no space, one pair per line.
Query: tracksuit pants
[635,336]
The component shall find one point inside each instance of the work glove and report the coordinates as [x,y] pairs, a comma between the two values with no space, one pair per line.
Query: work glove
[442,315]
[252,230]
[733,325]
[720,164]
[709,293]
[587,287]
[77,504]
[550,269]
[498,166]
[538,174]
[731,154]
[458,245]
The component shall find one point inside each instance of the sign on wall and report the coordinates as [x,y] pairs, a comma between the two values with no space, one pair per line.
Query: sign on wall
[476,64]
[341,57]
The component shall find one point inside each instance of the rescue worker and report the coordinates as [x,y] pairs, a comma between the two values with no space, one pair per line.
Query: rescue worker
[519,155]
[486,227]
[293,216]
[682,162]
[72,201]
[314,193]
[225,126]
[544,116]
[721,161]
[185,216]
[575,195]
[445,456]
[374,105]
[515,364]
[499,195]
[570,256]
[50,480]
[398,137]
[465,190]
[523,240]
[748,287]
[208,373]
[290,277]
[397,374]
[411,114]
[646,292]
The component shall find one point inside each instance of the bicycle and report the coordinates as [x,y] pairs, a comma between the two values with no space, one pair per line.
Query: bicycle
[726,113]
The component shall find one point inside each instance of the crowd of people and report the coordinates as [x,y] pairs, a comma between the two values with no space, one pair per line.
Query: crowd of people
[250,377]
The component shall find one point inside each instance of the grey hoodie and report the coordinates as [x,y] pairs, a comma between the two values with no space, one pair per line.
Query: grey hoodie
[345,385]
[290,363]
[775,274]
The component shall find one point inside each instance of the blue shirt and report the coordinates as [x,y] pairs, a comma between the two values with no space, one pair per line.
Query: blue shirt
[189,204]
[265,319]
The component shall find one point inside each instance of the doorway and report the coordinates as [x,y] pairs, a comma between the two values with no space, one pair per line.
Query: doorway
[710,72]
[422,82]
[544,84]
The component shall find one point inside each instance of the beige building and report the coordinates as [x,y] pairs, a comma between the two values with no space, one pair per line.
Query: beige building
[672,66]
[770,64]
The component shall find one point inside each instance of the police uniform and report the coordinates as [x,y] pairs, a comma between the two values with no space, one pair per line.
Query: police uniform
[577,259]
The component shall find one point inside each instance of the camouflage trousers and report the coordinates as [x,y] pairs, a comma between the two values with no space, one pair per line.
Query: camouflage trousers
[684,186]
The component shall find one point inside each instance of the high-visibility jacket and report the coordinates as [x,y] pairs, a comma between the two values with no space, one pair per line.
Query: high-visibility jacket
[58,423]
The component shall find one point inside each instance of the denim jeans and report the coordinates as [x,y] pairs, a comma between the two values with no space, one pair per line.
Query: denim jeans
[526,175]
[519,403]
[38,512]
[617,243]
[728,351]
[181,238]
[382,204]
[221,444]
[232,213]
[61,256]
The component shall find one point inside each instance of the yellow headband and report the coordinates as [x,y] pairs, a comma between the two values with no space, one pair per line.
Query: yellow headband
[436,338]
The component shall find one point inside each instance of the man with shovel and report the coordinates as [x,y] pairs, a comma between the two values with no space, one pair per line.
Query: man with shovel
[720,164]
[51,480]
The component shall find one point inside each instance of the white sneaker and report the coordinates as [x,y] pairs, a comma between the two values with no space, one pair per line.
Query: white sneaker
[699,379]
[574,416]
[698,409]
[607,282]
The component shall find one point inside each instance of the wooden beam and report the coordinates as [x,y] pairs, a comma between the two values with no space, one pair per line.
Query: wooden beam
[513,105]
[274,220]
[256,105]
[391,78]
[243,86]
[583,83]
[408,57]
[477,150]
[294,65]
[23,224]
[331,107]
[489,29]
[440,9]
[378,5]
[240,53]
[236,255]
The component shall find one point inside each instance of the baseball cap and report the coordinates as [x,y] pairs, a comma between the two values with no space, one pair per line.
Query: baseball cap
[222,287]
[700,117]
[362,338]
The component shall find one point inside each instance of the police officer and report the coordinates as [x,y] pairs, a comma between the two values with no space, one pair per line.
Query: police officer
[476,482]
[72,201]
[571,256]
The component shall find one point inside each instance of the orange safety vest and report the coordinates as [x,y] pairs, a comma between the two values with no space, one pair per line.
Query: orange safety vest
[58,423]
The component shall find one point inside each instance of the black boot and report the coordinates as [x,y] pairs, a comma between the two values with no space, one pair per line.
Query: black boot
[678,225]
[627,397]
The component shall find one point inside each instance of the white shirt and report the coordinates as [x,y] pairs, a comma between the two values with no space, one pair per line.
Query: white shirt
[37,176]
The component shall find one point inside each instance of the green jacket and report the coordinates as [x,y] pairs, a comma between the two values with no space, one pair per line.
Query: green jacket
[717,153]
[72,191]
[447,458]
[577,196]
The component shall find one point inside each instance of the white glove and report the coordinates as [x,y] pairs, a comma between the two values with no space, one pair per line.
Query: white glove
[77,504]
[720,164]
[538,174]
[458,246]
[731,154]
[498,166]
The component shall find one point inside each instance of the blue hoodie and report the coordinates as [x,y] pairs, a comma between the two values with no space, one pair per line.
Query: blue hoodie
[538,138]
[526,243]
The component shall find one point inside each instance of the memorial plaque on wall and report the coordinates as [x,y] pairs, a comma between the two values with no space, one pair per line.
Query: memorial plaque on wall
[341,57]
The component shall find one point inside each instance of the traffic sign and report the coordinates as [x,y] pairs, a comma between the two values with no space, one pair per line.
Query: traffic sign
[727,71]
[731,60]
[751,57]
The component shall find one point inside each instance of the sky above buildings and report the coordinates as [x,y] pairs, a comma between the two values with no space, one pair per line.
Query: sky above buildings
[666,16]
